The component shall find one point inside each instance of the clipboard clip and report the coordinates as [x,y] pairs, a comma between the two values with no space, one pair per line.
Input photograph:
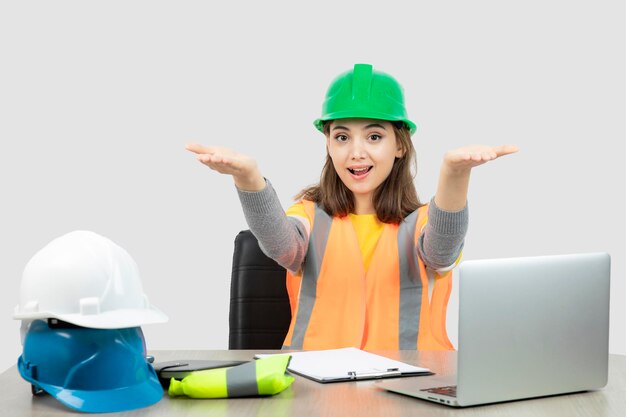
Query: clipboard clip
[353,375]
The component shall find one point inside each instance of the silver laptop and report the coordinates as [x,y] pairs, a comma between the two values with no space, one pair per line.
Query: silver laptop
[528,327]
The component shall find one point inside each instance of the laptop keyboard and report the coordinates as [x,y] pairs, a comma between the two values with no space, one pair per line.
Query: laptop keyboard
[449,391]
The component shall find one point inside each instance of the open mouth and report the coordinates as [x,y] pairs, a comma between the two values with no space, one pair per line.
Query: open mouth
[360,171]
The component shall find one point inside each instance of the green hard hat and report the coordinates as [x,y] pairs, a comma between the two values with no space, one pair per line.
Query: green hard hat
[363,92]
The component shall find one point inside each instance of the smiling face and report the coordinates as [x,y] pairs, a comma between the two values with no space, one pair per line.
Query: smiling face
[363,152]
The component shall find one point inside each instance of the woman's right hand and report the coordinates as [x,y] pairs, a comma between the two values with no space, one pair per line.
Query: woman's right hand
[243,168]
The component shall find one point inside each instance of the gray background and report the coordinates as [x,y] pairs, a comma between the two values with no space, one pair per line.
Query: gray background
[97,100]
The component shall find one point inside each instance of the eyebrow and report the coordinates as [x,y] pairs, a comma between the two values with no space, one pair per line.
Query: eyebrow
[366,127]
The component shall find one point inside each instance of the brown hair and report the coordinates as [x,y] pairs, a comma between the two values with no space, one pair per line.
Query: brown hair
[393,200]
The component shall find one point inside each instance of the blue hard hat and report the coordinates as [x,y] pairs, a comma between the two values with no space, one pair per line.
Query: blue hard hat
[90,370]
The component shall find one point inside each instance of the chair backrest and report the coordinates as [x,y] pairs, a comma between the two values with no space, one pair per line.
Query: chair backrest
[259,305]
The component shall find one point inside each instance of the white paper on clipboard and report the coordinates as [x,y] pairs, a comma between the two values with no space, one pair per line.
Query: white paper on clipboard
[348,364]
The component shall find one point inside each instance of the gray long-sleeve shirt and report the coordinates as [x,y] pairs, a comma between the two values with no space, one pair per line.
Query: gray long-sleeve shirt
[285,239]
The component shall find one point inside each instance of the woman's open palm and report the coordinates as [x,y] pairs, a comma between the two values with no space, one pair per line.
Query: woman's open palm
[471,156]
[224,160]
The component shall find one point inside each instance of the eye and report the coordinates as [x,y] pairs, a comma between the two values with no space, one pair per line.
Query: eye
[341,138]
[375,137]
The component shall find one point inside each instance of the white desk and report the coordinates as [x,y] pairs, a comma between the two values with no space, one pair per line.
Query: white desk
[346,399]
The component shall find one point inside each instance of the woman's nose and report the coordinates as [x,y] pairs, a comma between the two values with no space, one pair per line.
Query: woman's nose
[357,151]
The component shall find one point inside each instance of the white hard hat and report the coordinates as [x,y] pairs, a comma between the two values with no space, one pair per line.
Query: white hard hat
[87,280]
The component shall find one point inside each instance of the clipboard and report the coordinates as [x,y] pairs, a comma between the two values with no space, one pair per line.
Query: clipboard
[348,364]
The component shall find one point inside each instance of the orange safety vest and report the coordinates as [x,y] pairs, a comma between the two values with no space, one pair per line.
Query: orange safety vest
[396,304]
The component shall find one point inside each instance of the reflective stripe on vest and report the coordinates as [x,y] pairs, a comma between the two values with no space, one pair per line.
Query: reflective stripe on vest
[410,284]
[312,266]
[336,303]
[241,380]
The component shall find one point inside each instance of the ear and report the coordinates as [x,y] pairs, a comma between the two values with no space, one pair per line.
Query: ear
[399,151]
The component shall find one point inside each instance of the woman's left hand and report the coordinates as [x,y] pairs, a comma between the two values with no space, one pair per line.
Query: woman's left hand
[465,158]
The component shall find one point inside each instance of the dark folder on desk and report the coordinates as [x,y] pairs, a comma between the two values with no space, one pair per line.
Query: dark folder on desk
[348,364]
[179,369]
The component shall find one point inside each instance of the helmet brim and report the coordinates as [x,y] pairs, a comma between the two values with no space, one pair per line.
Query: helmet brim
[118,319]
[319,123]
[107,401]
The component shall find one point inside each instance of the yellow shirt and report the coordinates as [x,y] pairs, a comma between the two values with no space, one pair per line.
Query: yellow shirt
[367,227]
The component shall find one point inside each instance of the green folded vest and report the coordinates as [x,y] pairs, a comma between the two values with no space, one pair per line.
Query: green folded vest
[264,376]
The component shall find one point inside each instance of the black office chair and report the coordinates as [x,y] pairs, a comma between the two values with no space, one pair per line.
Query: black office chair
[259,305]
